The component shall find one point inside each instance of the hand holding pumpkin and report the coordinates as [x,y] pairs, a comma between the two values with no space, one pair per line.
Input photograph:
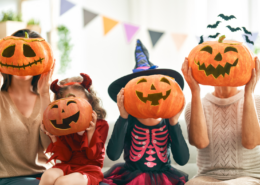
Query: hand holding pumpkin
[92,125]
[53,137]
[174,120]
[187,73]
[250,86]
[45,81]
[120,104]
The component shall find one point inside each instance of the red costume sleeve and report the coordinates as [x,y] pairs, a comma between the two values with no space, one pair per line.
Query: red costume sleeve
[95,150]
[60,150]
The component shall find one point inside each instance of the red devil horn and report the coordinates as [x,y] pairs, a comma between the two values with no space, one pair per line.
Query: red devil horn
[55,87]
[87,82]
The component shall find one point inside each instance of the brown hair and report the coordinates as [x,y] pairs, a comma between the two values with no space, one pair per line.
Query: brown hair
[91,95]
[8,78]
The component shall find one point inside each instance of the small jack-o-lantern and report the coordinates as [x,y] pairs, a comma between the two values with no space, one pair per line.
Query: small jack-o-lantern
[221,63]
[155,96]
[67,115]
[25,56]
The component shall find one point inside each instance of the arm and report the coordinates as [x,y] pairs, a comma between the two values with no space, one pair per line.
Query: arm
[60,150]
[250,122]
[116,142]
[179,147]
[198,134]
[95,147]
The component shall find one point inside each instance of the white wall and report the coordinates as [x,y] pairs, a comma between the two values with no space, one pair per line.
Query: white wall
[106,58]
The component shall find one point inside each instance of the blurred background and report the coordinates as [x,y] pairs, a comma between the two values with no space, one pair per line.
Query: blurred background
[98,37]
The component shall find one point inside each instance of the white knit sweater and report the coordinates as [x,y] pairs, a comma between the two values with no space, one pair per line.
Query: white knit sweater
[225,158]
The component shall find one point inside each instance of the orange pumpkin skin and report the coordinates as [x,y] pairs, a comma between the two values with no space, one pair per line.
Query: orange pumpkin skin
[168,98]
[239,73]
[67,115]
[25,56]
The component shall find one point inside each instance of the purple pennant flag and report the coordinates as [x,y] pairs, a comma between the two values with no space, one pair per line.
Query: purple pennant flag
[65,6]
[130,30]
[250,39]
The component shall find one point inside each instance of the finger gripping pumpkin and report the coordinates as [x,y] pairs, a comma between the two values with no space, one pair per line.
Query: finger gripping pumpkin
[25,56]
[221,63]
[68,115]
[155,96]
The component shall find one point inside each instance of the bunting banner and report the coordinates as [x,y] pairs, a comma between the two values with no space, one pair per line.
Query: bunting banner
[179,39]
[88,16]
[109,24]
[250,39]
[130,31]
[65,6]
[155,36]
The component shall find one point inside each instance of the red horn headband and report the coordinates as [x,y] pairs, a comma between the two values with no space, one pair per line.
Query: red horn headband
[86,83]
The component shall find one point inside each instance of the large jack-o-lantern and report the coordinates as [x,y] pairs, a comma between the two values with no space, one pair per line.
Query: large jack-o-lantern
[25,56]
[155,96]
[67,115]
[221,63]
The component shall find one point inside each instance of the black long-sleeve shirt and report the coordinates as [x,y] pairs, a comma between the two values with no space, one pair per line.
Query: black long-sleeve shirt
[147,148]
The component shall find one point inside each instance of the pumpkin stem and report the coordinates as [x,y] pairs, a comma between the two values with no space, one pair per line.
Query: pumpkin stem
[220,40]
[26,35]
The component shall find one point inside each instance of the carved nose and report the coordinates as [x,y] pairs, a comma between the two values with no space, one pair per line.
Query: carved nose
[62,110]
[218,57]
[152,87]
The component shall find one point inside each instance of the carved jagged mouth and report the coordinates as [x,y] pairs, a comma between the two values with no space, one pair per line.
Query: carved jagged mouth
[219,70]
[154,98]
[66,122]
[23,66]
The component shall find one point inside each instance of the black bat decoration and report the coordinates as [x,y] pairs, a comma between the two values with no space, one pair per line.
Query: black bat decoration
[233,29]
[201,39]
[246,32]
[213,25]
[248,41]
[226,17]
[213,36]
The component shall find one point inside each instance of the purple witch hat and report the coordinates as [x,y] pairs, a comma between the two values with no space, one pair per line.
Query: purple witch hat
[142,58]
[143,67]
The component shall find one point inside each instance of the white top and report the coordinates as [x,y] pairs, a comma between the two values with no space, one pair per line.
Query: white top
[225,158]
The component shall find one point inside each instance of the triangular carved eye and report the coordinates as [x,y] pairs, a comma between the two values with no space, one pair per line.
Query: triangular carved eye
[28,51]
[9,51]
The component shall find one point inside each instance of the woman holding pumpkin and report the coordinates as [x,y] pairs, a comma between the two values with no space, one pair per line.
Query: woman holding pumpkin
[140,131]
[224,125]
[78,156]
[22,98]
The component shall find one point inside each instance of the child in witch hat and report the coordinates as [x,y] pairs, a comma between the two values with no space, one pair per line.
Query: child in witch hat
[147,161]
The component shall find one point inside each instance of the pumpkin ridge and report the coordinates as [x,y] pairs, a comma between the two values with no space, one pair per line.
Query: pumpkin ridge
[219,70]
[23,66]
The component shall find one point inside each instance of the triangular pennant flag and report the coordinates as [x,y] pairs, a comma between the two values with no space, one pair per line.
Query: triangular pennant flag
[155,36]
[108,24]
[250,39]
[88,16]
[65,6]
[179,39]
[130,30]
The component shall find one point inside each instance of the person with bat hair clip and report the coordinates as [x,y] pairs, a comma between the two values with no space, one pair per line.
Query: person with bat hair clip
[224,126]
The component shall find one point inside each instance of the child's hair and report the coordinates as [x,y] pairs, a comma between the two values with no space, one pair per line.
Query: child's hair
[91,95]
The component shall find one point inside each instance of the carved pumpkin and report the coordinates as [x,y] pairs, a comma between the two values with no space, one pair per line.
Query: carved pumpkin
[221,63]
[25,56]
[67,115]
[155,96]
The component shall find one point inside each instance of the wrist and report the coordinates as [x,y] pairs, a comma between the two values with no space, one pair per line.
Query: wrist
[195,93]
[125,116]
[173,121]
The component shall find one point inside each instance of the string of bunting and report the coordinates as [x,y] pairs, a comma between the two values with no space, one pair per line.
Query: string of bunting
[155,36]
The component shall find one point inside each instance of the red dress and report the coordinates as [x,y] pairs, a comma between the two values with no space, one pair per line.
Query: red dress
[72,153]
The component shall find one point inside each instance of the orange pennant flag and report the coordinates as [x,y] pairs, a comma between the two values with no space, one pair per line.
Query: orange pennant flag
[179,39]
[108,24]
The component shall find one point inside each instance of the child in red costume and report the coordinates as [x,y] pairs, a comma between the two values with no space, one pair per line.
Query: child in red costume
[78,157]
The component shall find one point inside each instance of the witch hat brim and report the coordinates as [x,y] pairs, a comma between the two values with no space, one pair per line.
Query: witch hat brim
[118,84]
